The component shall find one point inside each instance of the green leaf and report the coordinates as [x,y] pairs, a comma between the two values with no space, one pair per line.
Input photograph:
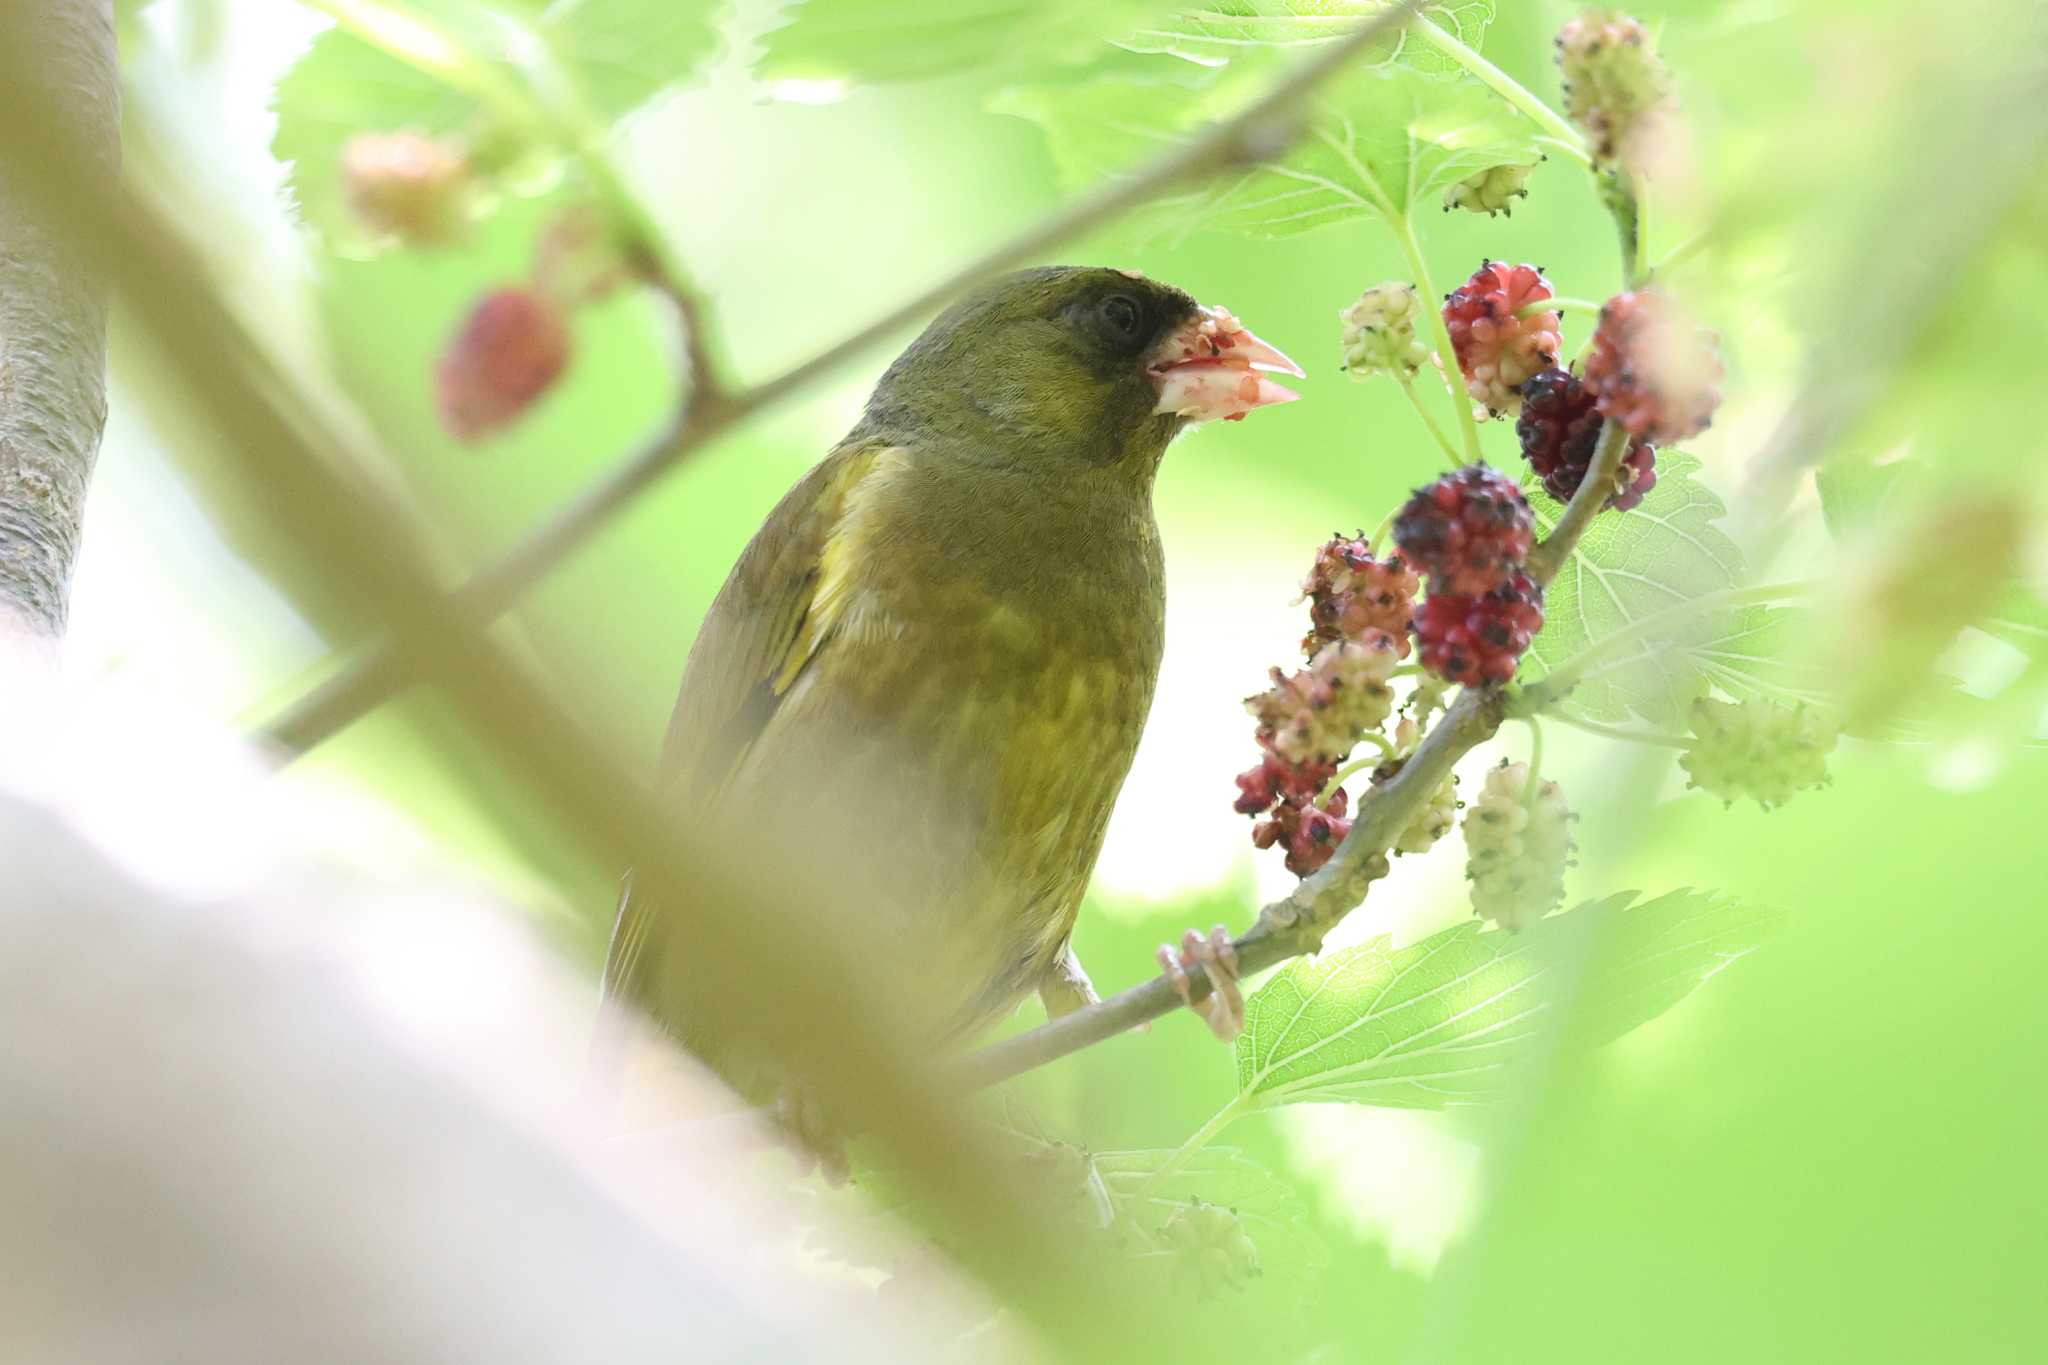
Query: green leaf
[1440,1022]
[622,53]
[1631,566]
[1226,30]
[1857,492]
[894,40]
[1377,143]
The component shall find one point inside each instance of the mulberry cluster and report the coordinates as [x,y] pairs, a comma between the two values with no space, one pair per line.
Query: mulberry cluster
[1379,333]
[1309,720]
[1318,713]
[1758,749]
[1559,428]
[1615,86]
[1353,595]
[1212,1250]
[511,350]
[1478,639]
[407,185]
[1652,369]
[1497,349]
[1492,191]
[1517,850]
[1469,531]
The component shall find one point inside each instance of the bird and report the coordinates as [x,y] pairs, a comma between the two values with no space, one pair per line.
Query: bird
[938,653]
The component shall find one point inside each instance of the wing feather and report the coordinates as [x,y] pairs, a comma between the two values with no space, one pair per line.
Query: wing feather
[778,609]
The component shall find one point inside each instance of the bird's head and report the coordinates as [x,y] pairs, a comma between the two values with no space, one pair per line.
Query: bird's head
[1071,364]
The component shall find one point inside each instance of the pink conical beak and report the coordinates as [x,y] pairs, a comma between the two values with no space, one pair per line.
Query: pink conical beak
[1213,368]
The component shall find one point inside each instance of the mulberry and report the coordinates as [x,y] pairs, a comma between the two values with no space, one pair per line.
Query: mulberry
[1354,596]
[1758,749]
[1652,369]
[1517,850]
[1469,531]
[1558,429]
[1475,640]
[1498,350]
[1379,333]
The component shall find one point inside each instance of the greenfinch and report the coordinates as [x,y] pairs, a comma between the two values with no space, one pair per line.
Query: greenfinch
[936,657]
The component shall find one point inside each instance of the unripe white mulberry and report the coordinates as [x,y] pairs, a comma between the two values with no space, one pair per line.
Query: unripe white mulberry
[1517,850]
[1758,749]
[1379,333]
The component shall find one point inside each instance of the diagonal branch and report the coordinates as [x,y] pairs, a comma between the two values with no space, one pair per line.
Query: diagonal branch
[1261,131]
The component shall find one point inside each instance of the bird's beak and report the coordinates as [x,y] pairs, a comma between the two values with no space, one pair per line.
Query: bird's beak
[1211,367]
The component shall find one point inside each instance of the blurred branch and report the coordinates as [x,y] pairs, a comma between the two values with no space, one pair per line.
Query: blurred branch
[1263,130]
[1298,922]
[53,327]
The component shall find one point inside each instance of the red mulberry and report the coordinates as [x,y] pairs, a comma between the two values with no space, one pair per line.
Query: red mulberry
[1498,350]
[1469,531]
[1653,369]
[1558,429]
[1310,833]
[1354,596]
[510,352]
[1479,639]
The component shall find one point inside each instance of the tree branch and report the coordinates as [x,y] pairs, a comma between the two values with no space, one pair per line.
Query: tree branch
[1263,130]
[53,322]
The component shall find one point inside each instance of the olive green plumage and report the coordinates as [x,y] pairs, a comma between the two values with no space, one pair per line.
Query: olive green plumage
[941,647]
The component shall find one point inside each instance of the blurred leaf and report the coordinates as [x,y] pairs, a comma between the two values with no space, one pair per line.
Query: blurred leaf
[1224,30]
[1439,1022]
[1379,143]
[624,52]
[1857,491]
[894,40]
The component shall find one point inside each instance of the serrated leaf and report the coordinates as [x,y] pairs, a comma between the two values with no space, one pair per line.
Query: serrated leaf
[1631,566]
[1378,143]
[1441,1022]
[1223,31]
[622,53]
[895,40]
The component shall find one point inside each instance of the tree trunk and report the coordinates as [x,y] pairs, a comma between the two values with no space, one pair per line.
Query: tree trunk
[53,332]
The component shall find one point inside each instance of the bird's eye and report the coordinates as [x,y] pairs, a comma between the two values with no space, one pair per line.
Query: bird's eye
[1122,315]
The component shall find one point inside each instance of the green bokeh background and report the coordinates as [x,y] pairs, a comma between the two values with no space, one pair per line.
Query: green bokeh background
[1830,1151]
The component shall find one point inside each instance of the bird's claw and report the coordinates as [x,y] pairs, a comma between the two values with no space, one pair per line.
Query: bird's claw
[1223,1007]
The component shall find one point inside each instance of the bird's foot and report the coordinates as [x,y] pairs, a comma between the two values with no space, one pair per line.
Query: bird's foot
[1223,1007]
[810,1136]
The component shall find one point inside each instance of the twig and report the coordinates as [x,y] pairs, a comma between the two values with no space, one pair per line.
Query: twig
[1258,133]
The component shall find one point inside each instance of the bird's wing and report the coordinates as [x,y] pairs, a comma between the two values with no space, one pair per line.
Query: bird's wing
[776,612]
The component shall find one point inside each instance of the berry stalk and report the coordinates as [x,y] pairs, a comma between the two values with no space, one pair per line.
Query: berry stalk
[1447,354]
[1567,138]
